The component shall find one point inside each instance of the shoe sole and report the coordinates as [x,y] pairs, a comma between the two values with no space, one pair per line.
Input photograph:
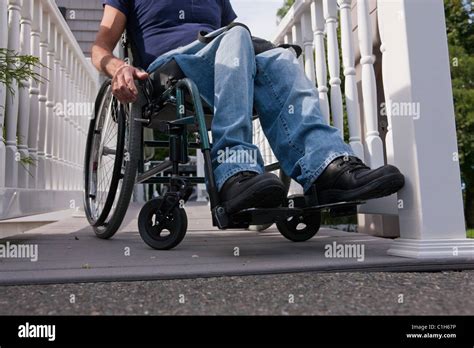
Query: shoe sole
[268,196]
[379,188]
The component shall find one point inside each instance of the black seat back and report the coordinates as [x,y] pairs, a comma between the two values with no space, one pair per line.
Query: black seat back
[130,50]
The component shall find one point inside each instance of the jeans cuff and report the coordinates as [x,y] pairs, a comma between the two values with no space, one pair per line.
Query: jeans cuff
[225,170]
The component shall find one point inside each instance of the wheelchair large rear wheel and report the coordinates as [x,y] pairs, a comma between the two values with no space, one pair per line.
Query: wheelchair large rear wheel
[111,160]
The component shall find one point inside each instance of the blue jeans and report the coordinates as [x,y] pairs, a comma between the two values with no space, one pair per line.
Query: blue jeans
[233,80]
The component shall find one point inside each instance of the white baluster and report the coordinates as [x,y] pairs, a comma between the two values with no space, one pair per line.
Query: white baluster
[57,114]
[67,118]
[61,115]
[330,15]
[317,20]
[65,139]
[388,205]
[3,44]
[288,39]
[77,135]
[76,126]
[12,155]
[80,119]
[69,123]
[308,47]
[369,88]
[351,93]
[296,35]
[42,100]
[83,98]
[34,93]
[50,117]
[72,118]
[24,95]
[84,116]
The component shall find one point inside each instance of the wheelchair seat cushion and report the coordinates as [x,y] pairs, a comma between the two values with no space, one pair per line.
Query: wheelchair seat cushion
[166,75]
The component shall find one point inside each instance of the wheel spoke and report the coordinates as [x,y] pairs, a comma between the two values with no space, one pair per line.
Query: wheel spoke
[106,151]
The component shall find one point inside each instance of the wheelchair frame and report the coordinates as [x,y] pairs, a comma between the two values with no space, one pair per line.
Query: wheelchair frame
[167,212]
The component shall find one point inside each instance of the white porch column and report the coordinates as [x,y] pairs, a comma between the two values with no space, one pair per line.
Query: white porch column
[3,89]
[424,146]
[11,107]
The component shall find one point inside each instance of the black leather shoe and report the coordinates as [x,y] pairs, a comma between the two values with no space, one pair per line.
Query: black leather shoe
[349,179]
[251,190]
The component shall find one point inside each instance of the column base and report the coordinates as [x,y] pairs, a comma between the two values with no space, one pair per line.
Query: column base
[432,248]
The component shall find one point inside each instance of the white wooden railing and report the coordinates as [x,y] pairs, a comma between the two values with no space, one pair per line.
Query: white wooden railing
[41,156]
[428,211]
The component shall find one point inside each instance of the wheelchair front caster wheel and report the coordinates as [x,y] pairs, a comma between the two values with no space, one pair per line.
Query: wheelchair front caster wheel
[159,230]
[300,228]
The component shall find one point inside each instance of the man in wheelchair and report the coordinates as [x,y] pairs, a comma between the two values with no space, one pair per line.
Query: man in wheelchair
[234,80]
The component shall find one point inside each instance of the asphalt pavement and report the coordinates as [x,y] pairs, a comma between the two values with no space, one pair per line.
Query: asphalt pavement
[386,293]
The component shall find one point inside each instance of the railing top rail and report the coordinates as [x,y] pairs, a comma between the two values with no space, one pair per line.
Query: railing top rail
[288,21]
[58,19]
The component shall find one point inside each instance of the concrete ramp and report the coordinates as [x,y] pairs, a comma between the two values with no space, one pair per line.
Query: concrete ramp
[68,251]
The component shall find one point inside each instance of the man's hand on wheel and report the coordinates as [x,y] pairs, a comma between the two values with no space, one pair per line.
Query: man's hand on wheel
[123,85]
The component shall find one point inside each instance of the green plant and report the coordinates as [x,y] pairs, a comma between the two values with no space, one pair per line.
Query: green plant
[17,68]
[284,9]
[460,28]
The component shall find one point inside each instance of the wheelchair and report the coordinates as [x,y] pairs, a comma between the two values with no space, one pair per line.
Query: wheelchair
[170,104]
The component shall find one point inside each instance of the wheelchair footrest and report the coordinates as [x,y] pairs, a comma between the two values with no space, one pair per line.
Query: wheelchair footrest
[260,216]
